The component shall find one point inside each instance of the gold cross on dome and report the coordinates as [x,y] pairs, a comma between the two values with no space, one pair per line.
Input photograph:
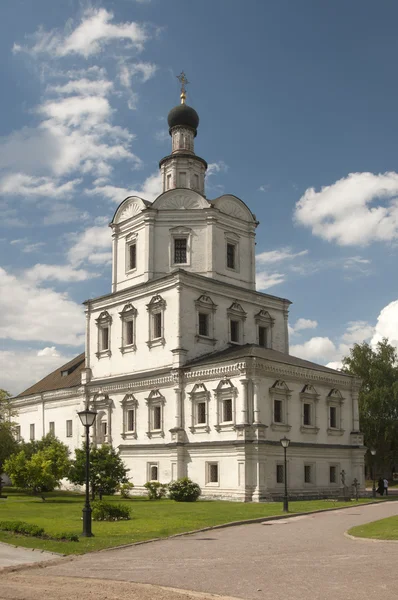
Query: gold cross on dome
[184,81]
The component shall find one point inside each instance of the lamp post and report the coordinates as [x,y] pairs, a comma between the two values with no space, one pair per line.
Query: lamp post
[87,417]
[373,453]
[285,444]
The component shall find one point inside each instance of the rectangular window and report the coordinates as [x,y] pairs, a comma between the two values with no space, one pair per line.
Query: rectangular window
[69,428]
[131,420]
[18,433]
[262,337]
[157,325]
[204,324]
[104,338]
[51,427]
[332,474]
[201,412]
[212,475]
[196,180]
[278,414]
[307,414]
[234,331]
[168,182]
[227,411]
[231,256]
[153,473]
[307,474]
[103,431]
[280,474]
[157,417]
[32,431]
[129,332]
[132,256]
[180,251]
[333,417]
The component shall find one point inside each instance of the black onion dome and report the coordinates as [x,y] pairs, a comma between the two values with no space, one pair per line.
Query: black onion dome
[183,115]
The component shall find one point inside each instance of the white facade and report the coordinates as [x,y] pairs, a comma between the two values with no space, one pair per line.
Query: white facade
[189,367]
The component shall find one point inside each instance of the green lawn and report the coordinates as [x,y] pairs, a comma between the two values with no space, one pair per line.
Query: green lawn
[385,529]
[150,519]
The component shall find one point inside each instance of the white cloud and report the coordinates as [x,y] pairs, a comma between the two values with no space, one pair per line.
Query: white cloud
[264,188]
[266,280]
[356,210]
[357,332]
[149,190]
[216,167]
[387,324]
[274,256]
[83,87]
[22,368]
[65,273]
[317,349]
[305,324]
[20,184]
[28,312]
[88,38]
[33,247]
[129,70]
[93,246]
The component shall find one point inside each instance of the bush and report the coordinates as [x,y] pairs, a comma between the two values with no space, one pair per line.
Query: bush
[155,489]
[36,531]
[125,489]
[184,490]
[104,511]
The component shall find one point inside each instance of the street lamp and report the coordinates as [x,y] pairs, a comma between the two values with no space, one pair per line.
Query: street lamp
[285,444]
[373,453]
[87,417]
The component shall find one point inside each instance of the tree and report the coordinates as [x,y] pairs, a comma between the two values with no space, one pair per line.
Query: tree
[378,397]
[39,467]
[107,470]
[8,444]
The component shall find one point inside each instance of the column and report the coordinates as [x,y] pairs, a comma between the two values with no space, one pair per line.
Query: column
[355,410]
[114,262]
[245,383]
[178,408]
[256,402]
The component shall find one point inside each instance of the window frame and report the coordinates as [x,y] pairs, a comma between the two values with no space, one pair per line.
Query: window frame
[309,395]
[150,466]
[128,403]
[197,395]
[17,433]
[232,239]
[104,321]
[128,315]
[312,473]
[131,240]
[51,427]
[205,305]
[280,465]
[236,313]
[209,465]
[225,390]
[32,432]
[179,233]
[280,391]
[263,319]
[335,466]
[69,428]
[335,400]
[155,400]
[155,307]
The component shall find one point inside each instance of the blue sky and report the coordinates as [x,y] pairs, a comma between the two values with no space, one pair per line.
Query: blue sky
[298,117]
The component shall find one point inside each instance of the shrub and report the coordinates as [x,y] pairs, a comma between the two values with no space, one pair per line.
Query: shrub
[65,537]
[104,511]
[184,490]
[155,489]
[125,489]
[22,527]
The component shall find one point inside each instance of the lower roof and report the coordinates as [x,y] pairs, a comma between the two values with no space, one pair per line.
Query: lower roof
[67,376]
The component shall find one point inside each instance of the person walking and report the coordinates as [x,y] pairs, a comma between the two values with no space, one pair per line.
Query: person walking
[380,486]
[385,483]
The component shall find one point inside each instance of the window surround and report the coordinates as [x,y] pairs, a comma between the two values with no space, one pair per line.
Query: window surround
[155,399]
[150,466]
[309,395]
[156,306]
[17,433]
[102,404]
[32,432]
[129,402]
[104,321]
[225,390]
[280,391]
[199,394]
[279,465]
[264,319]
[312,473]
[204,304]
[335,399]
[69,428]
[178,233]
[233,239]
[236,313]
[208,481]
[131,240]
[128,315]
[51,427]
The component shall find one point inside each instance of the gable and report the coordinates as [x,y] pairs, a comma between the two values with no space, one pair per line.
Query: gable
[130,207]
[180,199]
[233,206]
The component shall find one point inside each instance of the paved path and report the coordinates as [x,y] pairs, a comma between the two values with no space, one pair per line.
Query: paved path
[295,558]
[10,556]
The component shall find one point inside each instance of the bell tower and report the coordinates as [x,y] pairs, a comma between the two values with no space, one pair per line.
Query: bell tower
[182,168]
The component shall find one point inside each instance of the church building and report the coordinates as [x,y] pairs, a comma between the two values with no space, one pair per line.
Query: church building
[188,366]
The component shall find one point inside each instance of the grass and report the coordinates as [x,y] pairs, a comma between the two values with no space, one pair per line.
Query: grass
[150,519]
[385,529]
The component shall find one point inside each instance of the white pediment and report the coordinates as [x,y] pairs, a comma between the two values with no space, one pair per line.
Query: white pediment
[130,207]
[180,199]
[233,206]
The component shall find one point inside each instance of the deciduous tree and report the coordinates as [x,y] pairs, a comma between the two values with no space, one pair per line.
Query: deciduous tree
[8,444]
